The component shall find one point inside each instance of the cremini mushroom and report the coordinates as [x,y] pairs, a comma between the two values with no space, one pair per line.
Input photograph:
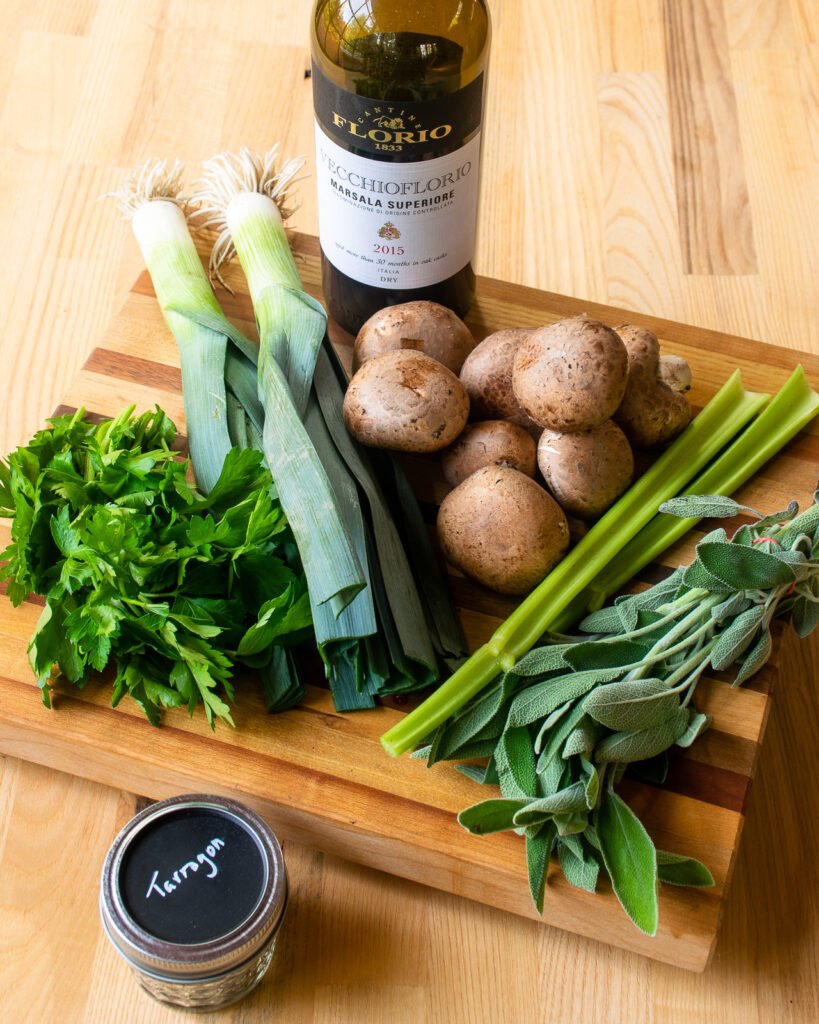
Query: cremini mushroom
[418,326]
[502,529]
[571,375]
[652,411]
[488,443]
[405,401]
[487,377]
[586,471]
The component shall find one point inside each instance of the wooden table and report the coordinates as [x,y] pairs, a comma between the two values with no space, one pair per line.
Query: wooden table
[659,156]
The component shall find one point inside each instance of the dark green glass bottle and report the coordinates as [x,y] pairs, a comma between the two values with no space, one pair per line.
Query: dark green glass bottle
[398,89]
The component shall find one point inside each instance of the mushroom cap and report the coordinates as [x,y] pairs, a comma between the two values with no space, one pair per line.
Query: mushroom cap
[405,401]
[502,529]
[487,377]
[488,443]
[651,412]
[571,375]
[419,326]
[587,471]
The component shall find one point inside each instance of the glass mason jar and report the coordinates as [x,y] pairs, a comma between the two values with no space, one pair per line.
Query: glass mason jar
[193,893]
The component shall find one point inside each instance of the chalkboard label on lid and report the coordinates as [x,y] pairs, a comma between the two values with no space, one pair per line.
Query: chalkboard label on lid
[192,876]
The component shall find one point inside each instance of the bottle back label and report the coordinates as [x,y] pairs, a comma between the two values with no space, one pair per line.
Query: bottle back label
[397,184]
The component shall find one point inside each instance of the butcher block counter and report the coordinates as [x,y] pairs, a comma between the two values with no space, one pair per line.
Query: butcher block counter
[661,158]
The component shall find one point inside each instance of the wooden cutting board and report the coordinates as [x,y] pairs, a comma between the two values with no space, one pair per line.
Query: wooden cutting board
[321,778]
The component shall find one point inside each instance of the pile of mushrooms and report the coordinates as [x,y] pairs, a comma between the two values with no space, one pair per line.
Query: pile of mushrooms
[570,399]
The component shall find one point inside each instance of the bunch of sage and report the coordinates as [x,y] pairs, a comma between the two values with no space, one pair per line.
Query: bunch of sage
[563,725]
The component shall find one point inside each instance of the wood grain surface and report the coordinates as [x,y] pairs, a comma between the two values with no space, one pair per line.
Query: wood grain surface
[583,181]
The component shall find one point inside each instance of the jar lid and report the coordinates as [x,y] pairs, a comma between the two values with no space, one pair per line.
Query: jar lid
[192,887]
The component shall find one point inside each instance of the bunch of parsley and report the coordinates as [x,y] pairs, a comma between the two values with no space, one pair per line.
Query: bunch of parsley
[139,570]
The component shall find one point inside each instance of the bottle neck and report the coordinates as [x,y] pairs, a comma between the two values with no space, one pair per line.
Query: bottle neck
[391,49]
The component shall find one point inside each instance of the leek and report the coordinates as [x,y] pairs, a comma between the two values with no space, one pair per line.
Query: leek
[384,642]
[291,328]
[153,201]
[730,410]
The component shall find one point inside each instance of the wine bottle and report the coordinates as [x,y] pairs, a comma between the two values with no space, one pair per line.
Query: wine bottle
[398,91]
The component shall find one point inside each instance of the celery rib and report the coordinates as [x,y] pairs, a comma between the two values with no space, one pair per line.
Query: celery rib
[730,410]
[794,406]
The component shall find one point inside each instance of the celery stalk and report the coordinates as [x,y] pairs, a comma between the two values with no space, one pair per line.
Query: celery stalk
[794,406]
[730,409]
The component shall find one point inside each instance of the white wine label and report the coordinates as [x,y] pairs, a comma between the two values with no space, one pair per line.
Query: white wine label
[397,225]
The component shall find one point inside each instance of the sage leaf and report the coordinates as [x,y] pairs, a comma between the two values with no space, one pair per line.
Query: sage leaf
[630,860]
[628,613]
[625,747]
[696,727]
[475,772]
[551,777]
[805,616]
[614,653]
[549,722]
[515,760]
[737,638]
[579,871]
[471,723]
[632,705]
[476,748]
[606,620]
[538,852]
[590,836]
[565,801]
[571,823]
[718,536]
[575,844]
[582,739]
[659,594]
[490,816]
[731,607]
[696,576]
[485,775]
[542,660]
[755,659]
[702,506]
[793,557]
[744,535]
[807,522]
[591,783]
[775,518]
[674,869]
[541,699]
[558,737]
[744,568]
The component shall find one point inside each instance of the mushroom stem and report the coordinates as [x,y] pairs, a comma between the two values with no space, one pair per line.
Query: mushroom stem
[675,372]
